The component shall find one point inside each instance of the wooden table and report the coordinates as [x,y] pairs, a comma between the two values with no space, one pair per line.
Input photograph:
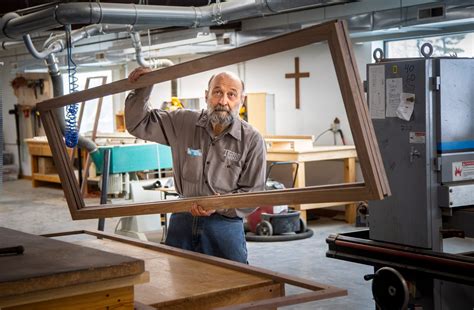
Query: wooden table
[182,279]
[320,153]
[53,274]
[42,166]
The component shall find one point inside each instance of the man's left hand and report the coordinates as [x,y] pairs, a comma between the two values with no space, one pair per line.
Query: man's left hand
[197,210]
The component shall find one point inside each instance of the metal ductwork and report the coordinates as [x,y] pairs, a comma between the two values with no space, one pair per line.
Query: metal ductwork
[13,26]
[434,15]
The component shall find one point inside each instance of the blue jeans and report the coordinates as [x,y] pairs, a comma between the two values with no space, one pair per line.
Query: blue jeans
[214,235]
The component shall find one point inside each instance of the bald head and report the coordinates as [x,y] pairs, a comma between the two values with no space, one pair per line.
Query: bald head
[228,74]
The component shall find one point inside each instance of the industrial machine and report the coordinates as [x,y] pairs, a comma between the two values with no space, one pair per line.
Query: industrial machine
[420,238]
[115,163]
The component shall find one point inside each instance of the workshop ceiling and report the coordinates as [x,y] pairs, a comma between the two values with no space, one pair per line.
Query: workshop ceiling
[12,5]
[182,27]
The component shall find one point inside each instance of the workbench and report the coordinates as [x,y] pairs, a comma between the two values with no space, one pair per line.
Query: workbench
[52,274]
[180,279]
[42,166]
[319,153]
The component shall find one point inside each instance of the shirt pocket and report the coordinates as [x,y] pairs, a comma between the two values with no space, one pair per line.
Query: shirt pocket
[229,173]
[192,168]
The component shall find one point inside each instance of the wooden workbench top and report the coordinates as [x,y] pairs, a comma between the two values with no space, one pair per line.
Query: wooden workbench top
[49,264]
[174,279]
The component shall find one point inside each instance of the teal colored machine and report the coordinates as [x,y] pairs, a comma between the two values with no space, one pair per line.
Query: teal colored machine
[129,158]
[134,157]
[124,160]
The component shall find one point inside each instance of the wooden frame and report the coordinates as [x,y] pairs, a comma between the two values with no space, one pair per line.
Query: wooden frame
[337,36]
[317,291]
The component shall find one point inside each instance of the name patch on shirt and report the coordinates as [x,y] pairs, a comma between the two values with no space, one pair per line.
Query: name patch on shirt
[233,156]
[194,153]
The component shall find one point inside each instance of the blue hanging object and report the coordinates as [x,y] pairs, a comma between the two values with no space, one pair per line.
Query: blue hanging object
[71,133]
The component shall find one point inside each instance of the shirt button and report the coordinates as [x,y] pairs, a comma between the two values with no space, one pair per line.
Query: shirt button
[205,181]
[208,162]
[228,166]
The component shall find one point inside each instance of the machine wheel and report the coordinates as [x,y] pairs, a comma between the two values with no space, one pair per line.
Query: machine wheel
[264,228]
[390,289]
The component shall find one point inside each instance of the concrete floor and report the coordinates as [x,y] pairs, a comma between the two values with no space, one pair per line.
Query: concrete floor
[44,210]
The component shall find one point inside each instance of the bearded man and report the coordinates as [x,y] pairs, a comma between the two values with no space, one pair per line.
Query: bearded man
[214,153]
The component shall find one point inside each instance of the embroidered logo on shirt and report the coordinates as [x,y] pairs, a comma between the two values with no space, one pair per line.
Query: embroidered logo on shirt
[232,155]
[194,153]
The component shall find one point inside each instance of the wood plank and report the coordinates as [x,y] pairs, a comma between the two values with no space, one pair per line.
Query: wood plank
[225,299]
[311,194]
[351,98]
[366,118]
[349,177]
[47,264]
[52,178]
[118,298]
[374,173]
[286,301]
[62,162]
[73,290]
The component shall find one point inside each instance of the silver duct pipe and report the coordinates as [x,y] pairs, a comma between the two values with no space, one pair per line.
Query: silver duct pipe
[152,62]
[13,26]
[57,43]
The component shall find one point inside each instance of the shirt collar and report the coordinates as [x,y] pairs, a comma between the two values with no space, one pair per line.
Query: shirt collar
[235,129]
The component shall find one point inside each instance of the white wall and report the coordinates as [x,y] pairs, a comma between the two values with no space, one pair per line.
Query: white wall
[320,99]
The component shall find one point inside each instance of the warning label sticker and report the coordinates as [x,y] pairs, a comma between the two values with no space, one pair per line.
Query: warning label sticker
[463,170]
[417,137]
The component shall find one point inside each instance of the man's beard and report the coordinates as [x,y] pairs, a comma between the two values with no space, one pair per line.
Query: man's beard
[221,115]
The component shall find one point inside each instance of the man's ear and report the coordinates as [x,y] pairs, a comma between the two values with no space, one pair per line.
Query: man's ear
[206,92]
[244,98]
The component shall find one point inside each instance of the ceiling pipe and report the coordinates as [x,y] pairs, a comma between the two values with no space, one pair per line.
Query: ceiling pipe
[13,26]
[152,62]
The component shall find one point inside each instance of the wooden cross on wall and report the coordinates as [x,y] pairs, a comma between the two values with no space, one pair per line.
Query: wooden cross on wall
[297,75]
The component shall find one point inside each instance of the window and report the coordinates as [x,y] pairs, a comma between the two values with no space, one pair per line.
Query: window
[461,44]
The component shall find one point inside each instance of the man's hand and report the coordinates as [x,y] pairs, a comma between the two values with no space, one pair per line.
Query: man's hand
[138,72]
[197,210]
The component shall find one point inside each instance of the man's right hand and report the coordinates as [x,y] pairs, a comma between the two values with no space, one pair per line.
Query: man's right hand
[197,210]
[137,73]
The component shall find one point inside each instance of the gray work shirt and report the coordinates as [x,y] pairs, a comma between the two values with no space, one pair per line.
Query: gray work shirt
[233,162]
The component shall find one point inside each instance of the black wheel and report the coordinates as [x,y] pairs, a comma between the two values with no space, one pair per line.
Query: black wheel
[303,227]
[277,238]
[264,228]
[390,289]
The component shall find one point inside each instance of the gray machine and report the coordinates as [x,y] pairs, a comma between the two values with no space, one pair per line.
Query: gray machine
[429,158]
[423,115]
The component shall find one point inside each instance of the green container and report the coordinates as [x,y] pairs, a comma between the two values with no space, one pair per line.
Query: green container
[135,157]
